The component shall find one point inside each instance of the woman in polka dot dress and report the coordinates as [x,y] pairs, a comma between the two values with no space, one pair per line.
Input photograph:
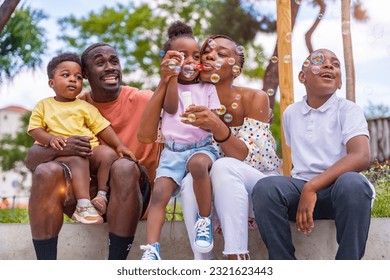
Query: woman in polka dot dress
[241,132]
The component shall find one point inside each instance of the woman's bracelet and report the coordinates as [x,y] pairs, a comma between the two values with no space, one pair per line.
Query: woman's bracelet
[225,139]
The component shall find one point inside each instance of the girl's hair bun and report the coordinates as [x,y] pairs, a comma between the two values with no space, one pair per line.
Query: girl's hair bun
[179,28]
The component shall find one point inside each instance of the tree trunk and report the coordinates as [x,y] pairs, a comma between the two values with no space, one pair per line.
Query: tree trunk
[271,75]
[6,10]
[347,47]
[310,32]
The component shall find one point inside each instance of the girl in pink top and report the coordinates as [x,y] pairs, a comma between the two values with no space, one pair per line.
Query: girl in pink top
[188,149]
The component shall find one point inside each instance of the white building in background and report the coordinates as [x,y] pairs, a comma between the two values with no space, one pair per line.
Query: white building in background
[11,191]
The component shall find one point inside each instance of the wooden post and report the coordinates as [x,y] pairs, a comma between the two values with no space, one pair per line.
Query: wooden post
[283,9]
[347,47]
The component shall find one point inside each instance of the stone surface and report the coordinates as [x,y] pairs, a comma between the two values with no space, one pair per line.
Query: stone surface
[89,242]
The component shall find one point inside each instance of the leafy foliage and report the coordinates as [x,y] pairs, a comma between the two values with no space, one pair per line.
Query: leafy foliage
[379,176]
[138,32]
[174,212]
[22,42]
[276,129]
[13,149]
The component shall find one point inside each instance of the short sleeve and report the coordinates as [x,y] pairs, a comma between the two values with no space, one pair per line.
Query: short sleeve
[94,120]
[36,118]
[353,122]
[214,102]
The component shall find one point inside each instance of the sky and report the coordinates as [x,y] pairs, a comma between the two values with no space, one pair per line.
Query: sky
[371,48]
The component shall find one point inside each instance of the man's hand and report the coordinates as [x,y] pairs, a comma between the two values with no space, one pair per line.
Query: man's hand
[122,150]
[77,146]
[307,202]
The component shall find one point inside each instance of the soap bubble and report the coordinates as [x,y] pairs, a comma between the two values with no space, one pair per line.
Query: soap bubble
[315,69]
[171,64]
[274,59]
[236,69]
[214,78]
[228,118]
[212,44]
[221,110]
[231,61]
[270,92]
[191,117]
[317,58]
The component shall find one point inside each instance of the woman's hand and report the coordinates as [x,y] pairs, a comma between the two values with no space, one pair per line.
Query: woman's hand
[202,117]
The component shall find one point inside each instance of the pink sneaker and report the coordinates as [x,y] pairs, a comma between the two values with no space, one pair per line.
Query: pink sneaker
[87,215]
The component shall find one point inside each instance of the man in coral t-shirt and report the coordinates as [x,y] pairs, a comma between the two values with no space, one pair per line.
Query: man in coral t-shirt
[129,182]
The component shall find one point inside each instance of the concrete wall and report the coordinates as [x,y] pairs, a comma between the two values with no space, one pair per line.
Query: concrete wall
[84,242]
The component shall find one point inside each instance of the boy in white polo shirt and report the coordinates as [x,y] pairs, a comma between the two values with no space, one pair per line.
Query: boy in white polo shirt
[329,142]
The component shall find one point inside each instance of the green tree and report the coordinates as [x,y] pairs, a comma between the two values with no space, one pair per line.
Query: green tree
[276,129]
[13,149]
[138,32]
[22,42]
[242,21]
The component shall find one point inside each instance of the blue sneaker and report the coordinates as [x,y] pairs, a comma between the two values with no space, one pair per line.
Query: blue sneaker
[203,234]
[151,252]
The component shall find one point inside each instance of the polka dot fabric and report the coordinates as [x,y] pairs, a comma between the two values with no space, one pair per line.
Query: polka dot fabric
[261,145]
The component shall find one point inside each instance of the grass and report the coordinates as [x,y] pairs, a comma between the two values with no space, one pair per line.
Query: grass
[20,215]
[378,174]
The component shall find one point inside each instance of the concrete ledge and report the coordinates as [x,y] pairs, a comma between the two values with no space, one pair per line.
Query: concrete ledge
[89,242]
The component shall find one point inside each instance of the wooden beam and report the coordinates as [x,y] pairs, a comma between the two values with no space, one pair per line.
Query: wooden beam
[283,9]
[347,48]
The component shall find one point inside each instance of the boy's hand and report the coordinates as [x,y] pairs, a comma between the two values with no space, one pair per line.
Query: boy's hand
[122,150]
[307,202]
[58,142]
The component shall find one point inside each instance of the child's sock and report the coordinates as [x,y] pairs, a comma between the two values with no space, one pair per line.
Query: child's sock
[83,202]
[46,249]
[102,193]
[119,247]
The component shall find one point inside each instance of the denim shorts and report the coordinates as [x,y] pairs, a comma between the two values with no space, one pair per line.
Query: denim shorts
[175,156]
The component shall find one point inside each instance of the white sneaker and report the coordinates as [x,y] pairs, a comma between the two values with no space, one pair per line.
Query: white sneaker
[151,252]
